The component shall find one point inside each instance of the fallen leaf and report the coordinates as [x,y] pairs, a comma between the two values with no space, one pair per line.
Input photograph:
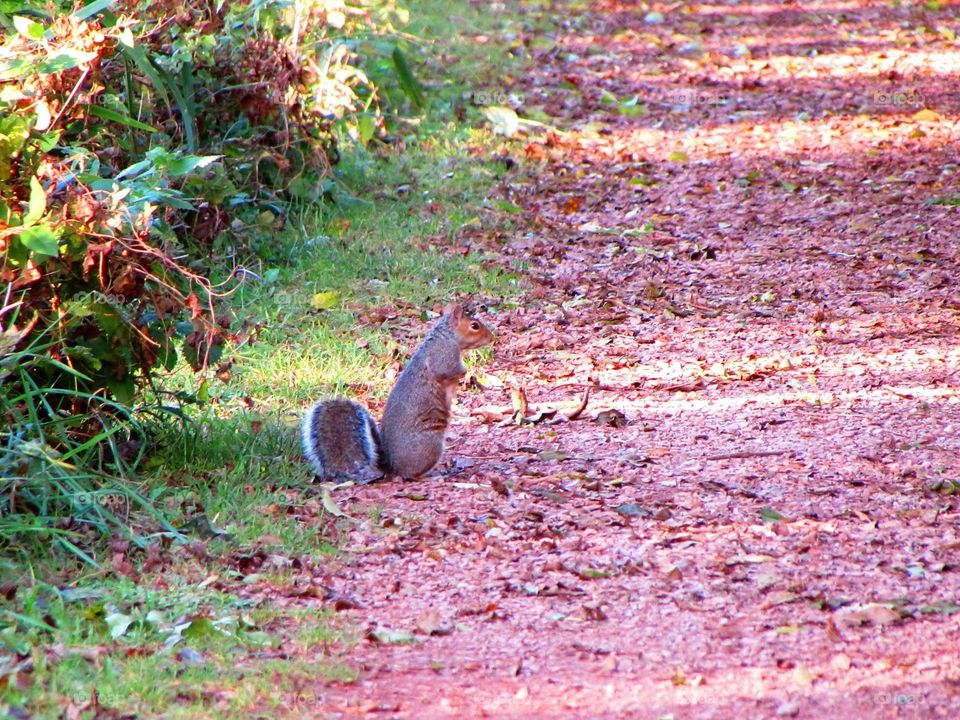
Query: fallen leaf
[802,676]
[552,455]
[325,300]
[330,505]
[927,115]
[749,559]
[430,623]
[518,398]
[385,636]
[611,418]
[633,510]
[539,417]
[118,624]
[503,119]
[866,614]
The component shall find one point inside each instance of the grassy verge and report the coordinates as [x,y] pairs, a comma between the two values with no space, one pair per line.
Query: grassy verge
[187,627]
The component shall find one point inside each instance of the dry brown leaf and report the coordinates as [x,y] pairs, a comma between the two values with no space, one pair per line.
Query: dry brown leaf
[518,397]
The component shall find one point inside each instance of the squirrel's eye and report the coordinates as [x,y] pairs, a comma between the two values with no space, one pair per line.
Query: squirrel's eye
[474,325]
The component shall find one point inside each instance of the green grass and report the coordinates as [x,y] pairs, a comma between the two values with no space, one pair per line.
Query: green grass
[185,651]
[391,248]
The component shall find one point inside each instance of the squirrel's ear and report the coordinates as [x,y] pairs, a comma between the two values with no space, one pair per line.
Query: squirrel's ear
[454,311]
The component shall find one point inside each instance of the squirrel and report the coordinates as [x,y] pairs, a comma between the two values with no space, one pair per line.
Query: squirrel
[418,408]
[341,439]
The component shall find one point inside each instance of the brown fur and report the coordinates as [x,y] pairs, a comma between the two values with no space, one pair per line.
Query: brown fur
[418,409]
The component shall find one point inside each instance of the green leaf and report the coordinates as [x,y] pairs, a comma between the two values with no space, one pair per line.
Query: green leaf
[633,107]
[944,200]
[188,163]
[92,9]
[330,505]
[155,618]
[118,624]
[216,352]
[170,198]
[943,607]
[262,639]
[28,28]
[48,141]
[167,356]
[38,203]
[509,207]
[945,487]
[200,627]
[770,515]
[165,82]
[139,57]
[302,187]
[184,102]
[12,69]
[391,637]
[366,127]
[30,621]
[70,370]
[124,390]
[408,83]
[66,59]
[42,240]
[114,116]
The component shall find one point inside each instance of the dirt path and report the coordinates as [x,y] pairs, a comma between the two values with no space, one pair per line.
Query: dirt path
[753,273]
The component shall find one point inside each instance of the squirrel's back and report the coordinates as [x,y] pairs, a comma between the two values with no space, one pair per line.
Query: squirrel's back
[341,440]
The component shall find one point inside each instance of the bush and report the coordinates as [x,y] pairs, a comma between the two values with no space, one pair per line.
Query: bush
[143,147]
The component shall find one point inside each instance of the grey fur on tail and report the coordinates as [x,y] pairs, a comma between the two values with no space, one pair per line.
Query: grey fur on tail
[342,442]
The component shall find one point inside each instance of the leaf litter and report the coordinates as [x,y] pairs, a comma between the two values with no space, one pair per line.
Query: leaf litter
[744,242]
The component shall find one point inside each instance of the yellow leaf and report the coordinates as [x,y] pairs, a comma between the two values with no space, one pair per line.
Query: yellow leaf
[330,505]
[677,156]
[926,115]
[504,120]
[325,300]
[802,676]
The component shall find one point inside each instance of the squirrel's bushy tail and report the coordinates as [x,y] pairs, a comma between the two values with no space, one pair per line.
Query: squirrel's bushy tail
[342,442]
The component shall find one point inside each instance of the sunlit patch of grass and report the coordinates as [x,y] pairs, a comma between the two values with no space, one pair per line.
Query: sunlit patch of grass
[185,650]
[385,253]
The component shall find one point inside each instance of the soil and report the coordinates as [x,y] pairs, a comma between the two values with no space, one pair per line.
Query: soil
[742,237]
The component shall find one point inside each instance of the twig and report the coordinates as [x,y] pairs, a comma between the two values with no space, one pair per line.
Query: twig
[70,97]
[747,454]
[577,411]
